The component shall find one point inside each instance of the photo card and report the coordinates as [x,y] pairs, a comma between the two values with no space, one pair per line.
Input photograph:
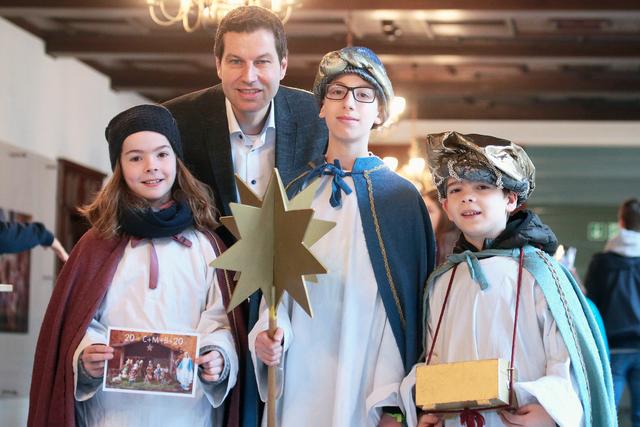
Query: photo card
[152,362]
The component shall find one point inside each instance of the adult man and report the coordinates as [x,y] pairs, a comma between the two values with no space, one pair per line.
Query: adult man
[248,123]
[613,283]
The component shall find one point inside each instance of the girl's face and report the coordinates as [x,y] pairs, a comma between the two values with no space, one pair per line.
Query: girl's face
[149,166]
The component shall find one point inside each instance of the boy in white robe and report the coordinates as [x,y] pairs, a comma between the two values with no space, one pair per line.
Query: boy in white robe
[343,367]
[481,182]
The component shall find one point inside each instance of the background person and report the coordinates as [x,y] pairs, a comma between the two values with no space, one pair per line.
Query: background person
[17,237]
[613,283]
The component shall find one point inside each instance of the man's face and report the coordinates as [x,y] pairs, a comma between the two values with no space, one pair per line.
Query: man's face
[250,71]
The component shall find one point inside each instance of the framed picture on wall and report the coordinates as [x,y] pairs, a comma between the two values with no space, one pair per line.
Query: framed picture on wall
[15,270]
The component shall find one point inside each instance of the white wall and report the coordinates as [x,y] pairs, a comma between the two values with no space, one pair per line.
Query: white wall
[36,175]
[55,107]
[49,108]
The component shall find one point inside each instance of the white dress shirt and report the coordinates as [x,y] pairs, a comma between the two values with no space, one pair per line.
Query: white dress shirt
[254,156]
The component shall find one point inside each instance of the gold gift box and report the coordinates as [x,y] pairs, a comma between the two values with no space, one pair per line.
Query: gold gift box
[460,385]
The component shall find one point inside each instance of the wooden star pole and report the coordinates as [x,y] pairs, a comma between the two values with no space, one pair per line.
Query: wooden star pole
[272,253]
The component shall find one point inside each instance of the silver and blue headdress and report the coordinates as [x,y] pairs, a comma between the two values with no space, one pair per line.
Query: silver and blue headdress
[480,158]
[364,63]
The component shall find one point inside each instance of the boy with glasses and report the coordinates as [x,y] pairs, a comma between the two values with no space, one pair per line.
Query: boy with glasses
[343,367]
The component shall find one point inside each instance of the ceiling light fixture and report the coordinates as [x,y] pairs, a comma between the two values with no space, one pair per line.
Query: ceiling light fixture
[201,13]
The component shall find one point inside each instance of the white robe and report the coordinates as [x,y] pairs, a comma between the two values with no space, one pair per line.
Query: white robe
[187,299]
[478,325]
[341,366]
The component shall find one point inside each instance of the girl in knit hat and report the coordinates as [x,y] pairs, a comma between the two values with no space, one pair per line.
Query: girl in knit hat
[343,367]
[144,264]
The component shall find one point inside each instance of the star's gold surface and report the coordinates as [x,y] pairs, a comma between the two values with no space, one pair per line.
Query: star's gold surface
[272,251]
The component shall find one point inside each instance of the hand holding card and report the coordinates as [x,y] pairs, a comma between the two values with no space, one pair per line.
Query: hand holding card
[212,365]
[151,362]
[93,358]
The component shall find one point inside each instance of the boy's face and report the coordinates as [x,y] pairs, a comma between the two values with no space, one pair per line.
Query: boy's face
[479,209]
[348,120]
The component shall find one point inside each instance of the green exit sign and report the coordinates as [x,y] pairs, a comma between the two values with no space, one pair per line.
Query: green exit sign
[601,231]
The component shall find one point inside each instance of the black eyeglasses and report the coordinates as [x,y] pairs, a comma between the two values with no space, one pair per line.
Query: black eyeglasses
[338,92]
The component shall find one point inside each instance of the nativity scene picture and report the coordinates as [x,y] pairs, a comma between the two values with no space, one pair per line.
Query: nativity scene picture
[151,362]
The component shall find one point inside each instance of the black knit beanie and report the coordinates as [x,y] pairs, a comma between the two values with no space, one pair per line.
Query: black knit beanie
[146,117]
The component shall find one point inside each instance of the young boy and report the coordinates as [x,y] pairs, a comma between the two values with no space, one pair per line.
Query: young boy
[561,368]
[343,367]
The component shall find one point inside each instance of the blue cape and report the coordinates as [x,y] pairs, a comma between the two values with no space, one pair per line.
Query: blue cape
[400,243]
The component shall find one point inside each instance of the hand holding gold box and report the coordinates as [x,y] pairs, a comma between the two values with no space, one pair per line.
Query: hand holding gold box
[455,386]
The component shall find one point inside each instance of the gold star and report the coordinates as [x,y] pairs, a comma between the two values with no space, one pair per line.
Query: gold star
[272,251]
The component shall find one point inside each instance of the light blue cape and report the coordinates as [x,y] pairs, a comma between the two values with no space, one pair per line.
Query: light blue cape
[574,320]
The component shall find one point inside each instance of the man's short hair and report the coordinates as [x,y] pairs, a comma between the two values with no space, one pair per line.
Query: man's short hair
[630,214]
[247,19]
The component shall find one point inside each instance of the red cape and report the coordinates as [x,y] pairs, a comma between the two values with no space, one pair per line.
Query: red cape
[78,293]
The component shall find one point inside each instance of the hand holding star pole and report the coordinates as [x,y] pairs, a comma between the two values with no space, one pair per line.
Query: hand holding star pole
[272,252]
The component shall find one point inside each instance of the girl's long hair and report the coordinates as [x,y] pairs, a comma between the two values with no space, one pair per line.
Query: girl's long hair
[102,213]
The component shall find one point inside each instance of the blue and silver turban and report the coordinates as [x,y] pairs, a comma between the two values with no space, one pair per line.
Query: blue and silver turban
[480,158]
[360,61]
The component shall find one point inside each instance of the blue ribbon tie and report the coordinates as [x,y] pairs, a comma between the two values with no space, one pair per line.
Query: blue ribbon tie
[338,185]
[474,267]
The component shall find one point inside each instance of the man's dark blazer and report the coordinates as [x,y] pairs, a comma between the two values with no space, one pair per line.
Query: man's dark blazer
[301,136]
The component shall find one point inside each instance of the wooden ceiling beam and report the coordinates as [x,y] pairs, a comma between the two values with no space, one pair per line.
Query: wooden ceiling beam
[73,4]
[538,110]
[356,5]
[74,8]
[163,46]
[128,46]
[529,5]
